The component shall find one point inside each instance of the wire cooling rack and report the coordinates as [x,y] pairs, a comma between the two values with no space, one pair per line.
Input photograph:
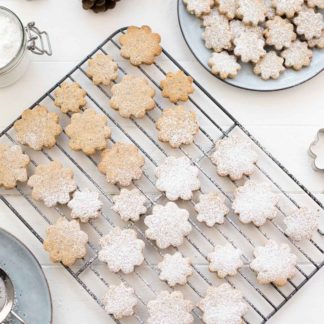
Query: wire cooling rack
[215,123]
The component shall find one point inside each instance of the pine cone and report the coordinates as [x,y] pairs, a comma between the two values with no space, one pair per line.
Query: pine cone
[98,5]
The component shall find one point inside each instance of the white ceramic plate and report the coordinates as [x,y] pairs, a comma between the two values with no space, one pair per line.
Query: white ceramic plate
[246,79]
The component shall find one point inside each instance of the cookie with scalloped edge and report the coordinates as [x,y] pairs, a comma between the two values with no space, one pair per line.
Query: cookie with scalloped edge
[309,23]
[227,7]
[224,65]
[252,12]
[297,55]
[287,8]
[238,27]
[270,66]
[317,42]
[271,12]
[214,17]
[199,7]
[315,3]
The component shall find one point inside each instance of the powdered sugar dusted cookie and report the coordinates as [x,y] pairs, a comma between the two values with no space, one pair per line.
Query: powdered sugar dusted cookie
[287,7]
[297,55]
[214,17]
[175,269]
[120,301]
[315,3]
[170,308]
[223,304]
[199,7]
[237,28]
[309,23]
[271,12]
[121,250]
[317,42]
[168,225]
[251,11]
[224,65]
[255,202]
[234,157]
[227,7]
[177,177]
[270,66]
[129,204]
[274,263]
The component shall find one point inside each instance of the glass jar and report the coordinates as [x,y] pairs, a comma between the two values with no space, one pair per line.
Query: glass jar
[31,40]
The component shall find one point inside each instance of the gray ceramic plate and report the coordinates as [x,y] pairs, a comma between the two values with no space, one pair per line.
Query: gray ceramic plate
[33,300]
[191,30]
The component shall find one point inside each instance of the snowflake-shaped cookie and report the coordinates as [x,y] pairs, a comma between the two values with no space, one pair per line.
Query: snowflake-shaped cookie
[129,204]
[287,7]
[175,269]
[199,7]
[168,225]
[309,23]
[121,250]
[270,66]
[13,166]
[225,260]
[214,17]
[297,55]
[315,3]
[170,308]
[223,304]
[251,11]
[274,263]
[132,97]
[85,205]
[301,224]
[255,202]
[120,301]
[227,7]
[38,128]
[88,131]
[121,164]
[65,242]
[224,65]
[234,157]
[317,42]
[211,209]
[177,177]
[52,183]
[177,126]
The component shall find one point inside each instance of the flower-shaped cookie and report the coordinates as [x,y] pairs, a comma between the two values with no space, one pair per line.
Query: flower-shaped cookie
[132,97]
[38,128]
[199,7]
[224,65]
[175,269]
[238,27]
[234,157]
[140,45]
[270,66]
[317,42]
[227,7]
[225,260]
[168,225]
[315,3]
[120,301]
[70,97]
[177,177]
[121,164]
[255,202]
[287,7]
[177,126]
[129,204]
[211,209]
[297,55]
[85,205]
[251,11]
[214,17]
[271,12]
[223,304]
[274,263]
[121,250]
[309,23]
[88,131]
[65,242]
[13,166]
[52,183]
[170,308]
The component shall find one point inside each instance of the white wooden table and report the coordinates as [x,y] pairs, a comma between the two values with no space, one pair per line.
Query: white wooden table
[285,122]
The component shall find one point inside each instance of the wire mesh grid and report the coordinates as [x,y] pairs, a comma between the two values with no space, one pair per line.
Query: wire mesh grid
[215,123]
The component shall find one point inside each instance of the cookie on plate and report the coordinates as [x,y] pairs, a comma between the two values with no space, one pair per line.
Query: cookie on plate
[252,12]
[317,42]
[214,17]
[199,7]
[287,8]
[227,7]
[315,3]
[297,55]
[224,65]
[270,66]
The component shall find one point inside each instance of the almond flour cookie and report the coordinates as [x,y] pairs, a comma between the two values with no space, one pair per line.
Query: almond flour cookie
[315,3]
[140,45]
[227,7]
[121,164]
[237,28]
[129,204]
[13,166]
[214,17]
[224,65]
[199,7]
[177,126]
[170,308]
[65,241]
[251,11]
[177,177]
[270,66]
[52,184]
[175,269]
[309,24]
[297,55]
[177,86]
[88,131]
[121,250]
[317,42]
[287,7]
[168,225]
[274,263]
[38,128]
[132,97]
[70,97]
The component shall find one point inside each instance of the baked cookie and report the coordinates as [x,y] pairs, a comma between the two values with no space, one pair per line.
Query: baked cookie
[140,45]
[168,225]
[274,263]
[297,55]
[199,7]
[317,42]
[132,97]
[271,12]
[65,241]
[177,126]
[309,23]
[13,166]
[177,177]
[121,164]
[224,65]
[52,183]
[237,28]
[38,128]
[270,66]
[170,308]
[88,131]
[175,269]
[287,7]
[177,86]
[315,3]
[227,7]
[121,250]
[214,17]
[70,97]
[252,12]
